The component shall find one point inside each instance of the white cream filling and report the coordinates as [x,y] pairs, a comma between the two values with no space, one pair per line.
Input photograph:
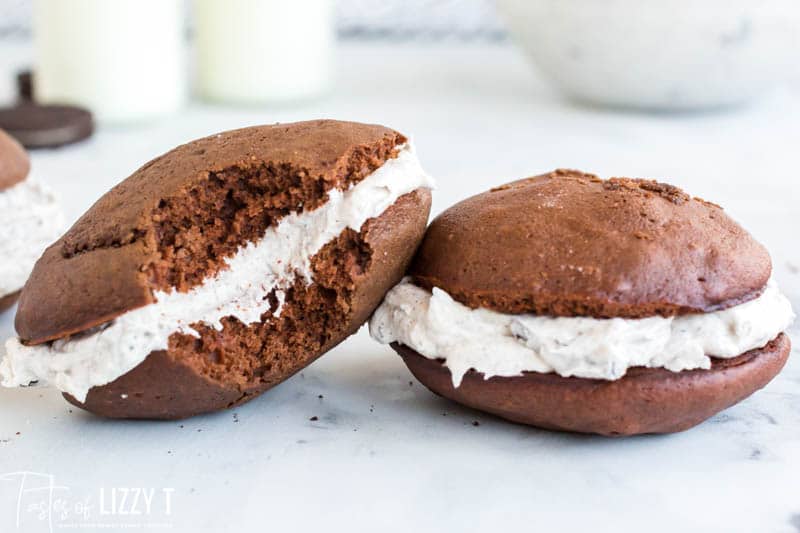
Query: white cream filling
[273,263]
[30,220]
[498,344]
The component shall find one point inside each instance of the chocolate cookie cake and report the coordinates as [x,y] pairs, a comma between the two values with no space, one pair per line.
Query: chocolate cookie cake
[568,302]
[221,268]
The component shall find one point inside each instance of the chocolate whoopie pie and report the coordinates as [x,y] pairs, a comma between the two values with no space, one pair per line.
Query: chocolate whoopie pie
[221,268]
[14,162]
[30,219]
[567,302]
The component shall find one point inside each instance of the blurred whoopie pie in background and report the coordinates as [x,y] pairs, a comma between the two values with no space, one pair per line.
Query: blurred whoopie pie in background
[30,219]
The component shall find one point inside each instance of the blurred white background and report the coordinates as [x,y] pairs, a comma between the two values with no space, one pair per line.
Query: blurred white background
[391,19]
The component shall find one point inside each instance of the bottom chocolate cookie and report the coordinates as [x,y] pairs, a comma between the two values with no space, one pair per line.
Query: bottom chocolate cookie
[645,400]
[7,301]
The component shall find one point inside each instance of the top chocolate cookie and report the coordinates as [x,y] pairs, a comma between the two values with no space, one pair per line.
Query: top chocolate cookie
[571,244]
[172,223]
[14,162]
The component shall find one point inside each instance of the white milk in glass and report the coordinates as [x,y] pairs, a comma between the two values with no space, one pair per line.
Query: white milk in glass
[122,59]
[263,51]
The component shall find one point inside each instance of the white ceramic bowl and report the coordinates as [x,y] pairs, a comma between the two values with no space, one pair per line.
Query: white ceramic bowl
[660,54]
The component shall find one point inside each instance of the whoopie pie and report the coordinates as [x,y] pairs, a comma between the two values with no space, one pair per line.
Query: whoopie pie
[30,219]
[568,302]
[221,268]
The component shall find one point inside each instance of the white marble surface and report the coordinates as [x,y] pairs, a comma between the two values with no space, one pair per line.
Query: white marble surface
[385,454]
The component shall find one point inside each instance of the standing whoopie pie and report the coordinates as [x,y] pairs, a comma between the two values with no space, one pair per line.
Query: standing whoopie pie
[221,268]
[569,302]
[30,219]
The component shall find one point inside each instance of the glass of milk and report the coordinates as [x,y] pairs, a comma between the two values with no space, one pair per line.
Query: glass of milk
[122,59]
[263,51]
